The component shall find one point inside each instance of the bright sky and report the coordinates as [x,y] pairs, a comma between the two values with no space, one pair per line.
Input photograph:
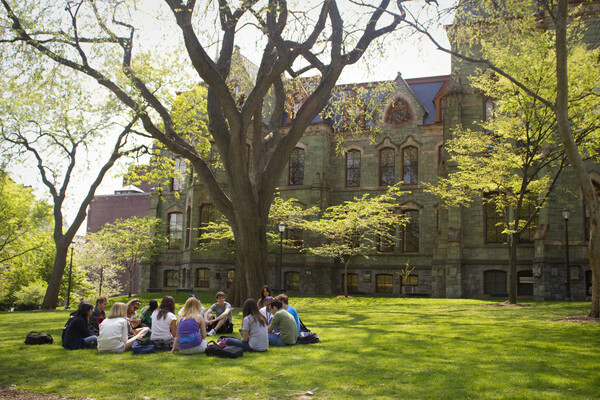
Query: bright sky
[408,55]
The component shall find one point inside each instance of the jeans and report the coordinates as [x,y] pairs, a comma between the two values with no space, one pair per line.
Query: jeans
[238,343]
[275,340]
[91,341]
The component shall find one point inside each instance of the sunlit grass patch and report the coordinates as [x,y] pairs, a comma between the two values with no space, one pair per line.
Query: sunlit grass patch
[371,348]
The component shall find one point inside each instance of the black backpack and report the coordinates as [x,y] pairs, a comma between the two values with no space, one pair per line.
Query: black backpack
[38,338]
[64,331]
[307,338]
[214,350]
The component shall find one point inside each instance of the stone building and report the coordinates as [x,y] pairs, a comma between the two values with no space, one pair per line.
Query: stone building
[456,252]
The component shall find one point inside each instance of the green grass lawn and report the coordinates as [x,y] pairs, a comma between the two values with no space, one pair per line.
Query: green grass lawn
[371,348]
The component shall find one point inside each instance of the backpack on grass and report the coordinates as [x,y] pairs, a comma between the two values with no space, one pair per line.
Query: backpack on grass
[143,347]
[307,338]
[38,338]
[214,350]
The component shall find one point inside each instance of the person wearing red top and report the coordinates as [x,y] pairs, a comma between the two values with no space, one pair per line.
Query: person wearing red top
[98,315]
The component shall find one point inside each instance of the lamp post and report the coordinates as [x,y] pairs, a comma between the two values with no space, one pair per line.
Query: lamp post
[281,228]
[72,245]
[100,286]
[566,214]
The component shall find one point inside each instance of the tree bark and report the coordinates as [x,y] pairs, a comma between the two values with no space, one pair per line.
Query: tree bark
[58,268]
[590,196]
[251,271]
[513,246]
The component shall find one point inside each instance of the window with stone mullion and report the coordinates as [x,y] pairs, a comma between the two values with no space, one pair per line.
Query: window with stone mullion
[410,166]
[296,172]
[386,167]
[353,168]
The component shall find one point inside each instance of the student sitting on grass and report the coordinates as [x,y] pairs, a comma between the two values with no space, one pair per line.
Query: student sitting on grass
[201,306]
[78,334]
[288,333]
[134,322]
[221,323]
[164,325]
[284,301]
[114,331]
[265,292]
[264,310]
[98,315]
[191,329]
[254,329]
[146,313]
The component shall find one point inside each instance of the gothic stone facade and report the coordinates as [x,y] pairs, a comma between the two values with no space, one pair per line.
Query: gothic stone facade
[449,248]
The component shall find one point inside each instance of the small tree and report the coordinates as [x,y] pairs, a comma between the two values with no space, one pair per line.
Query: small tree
[356,228]
[129,241]
[101,270]
[513,161]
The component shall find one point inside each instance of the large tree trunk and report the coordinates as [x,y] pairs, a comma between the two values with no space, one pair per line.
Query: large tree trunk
[60,261]
[251,271]
[513,245]
[594,259]
[566,134]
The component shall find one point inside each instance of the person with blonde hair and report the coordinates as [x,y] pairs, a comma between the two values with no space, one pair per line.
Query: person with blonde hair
[191,329]
[114,331]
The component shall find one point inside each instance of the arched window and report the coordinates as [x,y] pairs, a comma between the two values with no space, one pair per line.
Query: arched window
[202,278]
[384,283]
[410,165]
[353,168]
[351,281]
[386,167]
[398,113]
[296,172]
[175,230]
[292,281]
[494,282]
[410,232]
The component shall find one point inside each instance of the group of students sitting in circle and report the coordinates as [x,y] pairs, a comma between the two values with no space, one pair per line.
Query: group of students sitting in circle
[268,322]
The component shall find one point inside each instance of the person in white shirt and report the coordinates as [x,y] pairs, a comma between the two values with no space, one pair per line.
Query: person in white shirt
[114,331]
[268,316]
[164,325]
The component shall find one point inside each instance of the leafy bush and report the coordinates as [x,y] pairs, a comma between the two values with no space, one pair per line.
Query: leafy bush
[31,296]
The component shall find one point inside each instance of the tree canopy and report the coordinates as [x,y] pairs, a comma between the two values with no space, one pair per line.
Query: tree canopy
[100,39]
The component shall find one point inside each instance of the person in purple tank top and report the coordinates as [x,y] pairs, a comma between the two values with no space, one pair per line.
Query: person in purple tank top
[191,329]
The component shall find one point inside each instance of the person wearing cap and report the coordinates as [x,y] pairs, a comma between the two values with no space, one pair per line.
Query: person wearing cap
[221,322]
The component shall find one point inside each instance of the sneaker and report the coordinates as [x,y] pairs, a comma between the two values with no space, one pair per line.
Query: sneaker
[212,332]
